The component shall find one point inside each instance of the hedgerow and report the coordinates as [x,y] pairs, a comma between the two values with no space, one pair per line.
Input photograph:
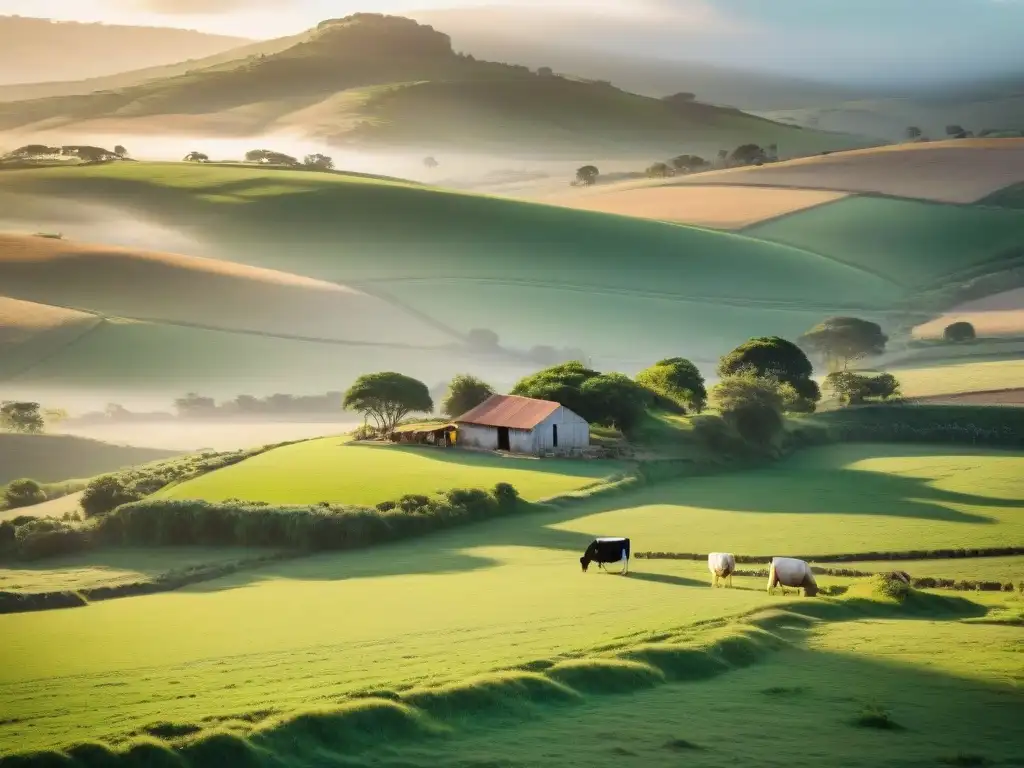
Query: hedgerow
[989,425]
[318,527]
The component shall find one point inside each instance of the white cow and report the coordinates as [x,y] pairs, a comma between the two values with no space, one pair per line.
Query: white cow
[790,572]
[722,566]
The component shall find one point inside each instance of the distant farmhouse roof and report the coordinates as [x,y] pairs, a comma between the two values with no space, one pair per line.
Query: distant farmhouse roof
[509,411]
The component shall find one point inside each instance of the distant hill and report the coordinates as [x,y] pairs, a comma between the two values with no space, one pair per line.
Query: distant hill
[52,458]
[39,50]
[497,33]
[370,80]
[126,79]
[996,106]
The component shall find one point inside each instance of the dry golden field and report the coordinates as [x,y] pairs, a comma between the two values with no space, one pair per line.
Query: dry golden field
[716,207]
[176,288]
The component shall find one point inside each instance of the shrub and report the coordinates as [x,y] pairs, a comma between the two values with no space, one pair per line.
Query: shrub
[890,586]
[875,716]
[45,537]
[958,332]
[105,494]
[23,493]
[506,494]
[752,405]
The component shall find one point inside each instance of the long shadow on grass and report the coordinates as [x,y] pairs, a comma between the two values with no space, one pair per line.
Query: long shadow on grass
[727,696]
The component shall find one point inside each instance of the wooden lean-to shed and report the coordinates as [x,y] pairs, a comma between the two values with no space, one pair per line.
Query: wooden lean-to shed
[522,425]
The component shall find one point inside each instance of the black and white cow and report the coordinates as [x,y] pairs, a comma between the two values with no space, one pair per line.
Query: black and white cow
[607,550]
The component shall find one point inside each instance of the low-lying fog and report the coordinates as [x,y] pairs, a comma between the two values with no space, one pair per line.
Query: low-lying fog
[203,435]
[471,171]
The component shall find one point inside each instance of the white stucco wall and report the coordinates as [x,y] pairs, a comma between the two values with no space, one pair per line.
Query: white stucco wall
[573,431]
[473,436]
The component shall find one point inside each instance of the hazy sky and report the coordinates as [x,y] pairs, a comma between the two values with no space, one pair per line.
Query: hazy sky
[874,39]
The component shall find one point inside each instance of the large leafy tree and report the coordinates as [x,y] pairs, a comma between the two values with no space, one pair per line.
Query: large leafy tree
[612,399]
[587,175]
[752,404]
[21,417]
[387,398]
[842,340]
[464,393]
[677,379]
[775,357]
[615,399]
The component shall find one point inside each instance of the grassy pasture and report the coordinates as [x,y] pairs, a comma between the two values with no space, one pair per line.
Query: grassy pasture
[910,242]
[489,596]
[959,377]
[759,715]
[840,498]
[331,469]
[714,207]
[112,567]
[953,171]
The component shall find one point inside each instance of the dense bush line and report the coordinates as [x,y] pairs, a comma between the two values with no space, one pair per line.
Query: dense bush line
[991,425]
[914,554]
[25,492]
[175,522]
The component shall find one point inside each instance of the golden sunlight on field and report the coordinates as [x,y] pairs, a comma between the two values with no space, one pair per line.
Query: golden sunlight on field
[998,315]
[717,207]
[175,288]
[960,171]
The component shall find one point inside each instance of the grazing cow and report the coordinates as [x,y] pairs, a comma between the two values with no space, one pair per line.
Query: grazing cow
[722,566]
[790,572]
[607,550]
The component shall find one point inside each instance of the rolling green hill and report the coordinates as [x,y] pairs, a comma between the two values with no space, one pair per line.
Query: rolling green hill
[620,288]
[52,458]
[913,243]
[372,80]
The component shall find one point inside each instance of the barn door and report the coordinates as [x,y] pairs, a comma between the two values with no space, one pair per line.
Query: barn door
[503,441]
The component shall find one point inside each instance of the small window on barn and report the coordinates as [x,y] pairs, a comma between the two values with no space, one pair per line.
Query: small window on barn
[554,435]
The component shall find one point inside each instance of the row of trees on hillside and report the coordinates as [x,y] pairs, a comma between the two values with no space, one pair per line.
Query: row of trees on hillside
[744,155]
[85,153]
[760,381]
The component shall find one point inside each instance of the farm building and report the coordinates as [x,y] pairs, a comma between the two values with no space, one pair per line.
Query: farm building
[522,425]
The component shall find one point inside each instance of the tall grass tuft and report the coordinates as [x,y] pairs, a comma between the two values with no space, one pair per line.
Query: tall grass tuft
[606,675]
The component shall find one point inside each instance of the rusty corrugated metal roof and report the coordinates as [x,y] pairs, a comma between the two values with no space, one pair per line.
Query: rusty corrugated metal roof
[509,411]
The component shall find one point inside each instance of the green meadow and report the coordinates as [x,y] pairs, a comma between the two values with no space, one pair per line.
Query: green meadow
[243,655]
[334,470]
[909,242]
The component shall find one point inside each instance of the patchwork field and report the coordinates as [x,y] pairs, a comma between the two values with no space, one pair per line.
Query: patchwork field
[146,285]
[464,261]
[960,377]
[332,469]
[509,592]
[999,315]
[953,171]
[909,242]
[714,207]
